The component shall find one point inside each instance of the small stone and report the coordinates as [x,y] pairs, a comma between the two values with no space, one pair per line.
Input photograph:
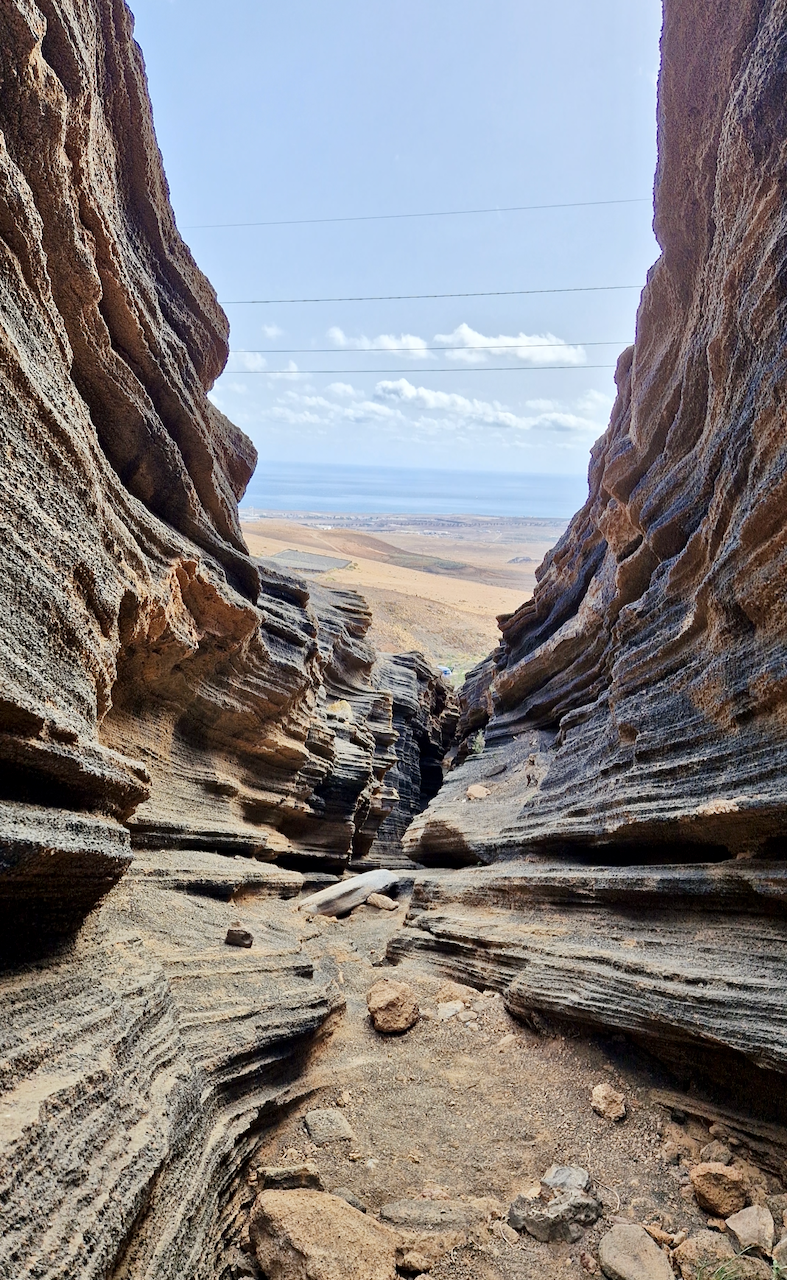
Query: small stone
[477,792]
[716,1153]
[237,937]
[607,1102]
[433,1191]
[290,1176]
[588,1263]
[392,1006]
[450,991]
[702,1254]
[560,1219]
[659,1234]
[344,1193]
[467,1015]
[449,1009]
[505,1043]
[382,902]
[412,1263]
[717,1224]
[508,1233]
[780,1252]
[628,1253]
[565,1177]
[327,1124]
[720,1189]
[753,1229]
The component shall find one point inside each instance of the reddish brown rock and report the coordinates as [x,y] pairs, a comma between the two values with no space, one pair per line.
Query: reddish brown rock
[392,1006]
[720,1189]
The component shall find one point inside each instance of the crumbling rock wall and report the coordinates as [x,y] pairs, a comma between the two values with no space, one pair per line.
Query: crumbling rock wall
[636,709]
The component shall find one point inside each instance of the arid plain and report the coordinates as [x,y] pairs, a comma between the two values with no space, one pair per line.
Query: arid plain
[434,583]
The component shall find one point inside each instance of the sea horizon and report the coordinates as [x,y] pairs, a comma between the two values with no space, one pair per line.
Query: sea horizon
[331,487]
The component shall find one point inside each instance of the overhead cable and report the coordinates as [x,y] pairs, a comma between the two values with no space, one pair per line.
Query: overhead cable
[411,297]
[455,369]
[395,217]
[494,347]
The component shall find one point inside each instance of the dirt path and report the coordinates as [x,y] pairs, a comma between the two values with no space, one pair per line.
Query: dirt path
[477,1111]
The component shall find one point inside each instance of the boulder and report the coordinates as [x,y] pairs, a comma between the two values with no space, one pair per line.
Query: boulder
[720,1189]
[608,1102]
[327,1124]
[753,1229]
[392,1006]
[702,1254]
[308,1235]
[628,1253]
[337,899]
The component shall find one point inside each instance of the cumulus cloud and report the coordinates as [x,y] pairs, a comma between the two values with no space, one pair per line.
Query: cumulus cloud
[343,389]
[492,412]
[246,362]
[533,349]
[272,331]
[405,344]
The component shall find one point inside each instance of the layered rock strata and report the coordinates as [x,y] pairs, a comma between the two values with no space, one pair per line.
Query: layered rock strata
[652,654]
[635,711]
[154,678]
[425,715]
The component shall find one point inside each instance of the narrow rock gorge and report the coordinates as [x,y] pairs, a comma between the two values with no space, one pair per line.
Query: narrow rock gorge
[189,737]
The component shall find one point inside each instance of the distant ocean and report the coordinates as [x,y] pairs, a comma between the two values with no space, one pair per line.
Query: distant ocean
[285,486]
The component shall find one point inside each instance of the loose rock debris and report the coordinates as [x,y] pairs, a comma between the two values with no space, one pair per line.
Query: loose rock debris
[473,1143]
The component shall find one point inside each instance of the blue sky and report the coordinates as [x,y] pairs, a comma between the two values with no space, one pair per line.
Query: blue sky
[311,110]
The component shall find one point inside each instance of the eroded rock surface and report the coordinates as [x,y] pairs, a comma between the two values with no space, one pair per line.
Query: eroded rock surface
[634,712]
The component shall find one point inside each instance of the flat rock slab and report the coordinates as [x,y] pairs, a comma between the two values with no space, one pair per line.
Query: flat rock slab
[753,1228]
[431,1215]
[291,1177]
[628,1253]
[342,897]
[309,1235]
[327,1124]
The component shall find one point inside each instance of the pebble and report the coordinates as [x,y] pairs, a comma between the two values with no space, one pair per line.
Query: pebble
[382,902]
[477,792]
[238,937]
[344,1193]
[290,1176]
[449,1009]
[608,1102]
[327,1124]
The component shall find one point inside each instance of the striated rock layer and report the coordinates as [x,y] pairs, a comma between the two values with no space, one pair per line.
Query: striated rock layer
[158,688]
[635,711]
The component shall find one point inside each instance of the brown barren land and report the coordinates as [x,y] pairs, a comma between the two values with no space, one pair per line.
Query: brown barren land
[433,583]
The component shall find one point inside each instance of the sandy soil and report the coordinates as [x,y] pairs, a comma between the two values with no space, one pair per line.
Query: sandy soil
[480,1110]
[434,583]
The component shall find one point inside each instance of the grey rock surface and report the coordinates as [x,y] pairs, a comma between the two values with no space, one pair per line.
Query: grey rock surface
[327,1124]
[628,1253]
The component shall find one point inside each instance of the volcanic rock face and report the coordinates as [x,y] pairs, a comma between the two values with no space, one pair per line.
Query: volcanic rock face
[636,709]
[425,714]
[149,668]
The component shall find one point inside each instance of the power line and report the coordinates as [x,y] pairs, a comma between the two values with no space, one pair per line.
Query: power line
[410,297]
[395,217]
[476,346]
[455,369]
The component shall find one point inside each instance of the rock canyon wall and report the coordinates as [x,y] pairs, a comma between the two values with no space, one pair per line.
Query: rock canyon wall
[635,711]
[161,694]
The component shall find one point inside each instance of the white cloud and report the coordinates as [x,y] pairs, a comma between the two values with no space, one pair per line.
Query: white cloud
[246,362]
[272,331]
[406,344]
[448,401]
[343,389]
[532,349]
